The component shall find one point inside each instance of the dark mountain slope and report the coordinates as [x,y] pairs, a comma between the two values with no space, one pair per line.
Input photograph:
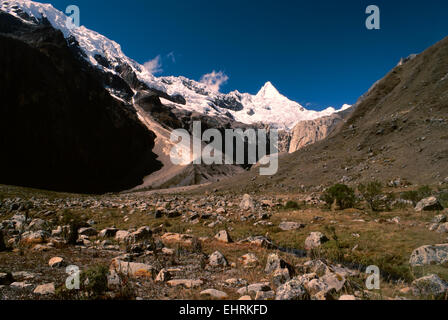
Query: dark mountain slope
[59,128]
[398,130]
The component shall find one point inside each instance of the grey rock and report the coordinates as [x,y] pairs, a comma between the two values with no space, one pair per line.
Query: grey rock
[430,254]
[223,236]
[89,231]
[247,203]
[217,259]
[288,226]
[292,290]
[430,285]
[428,204]
[315,240]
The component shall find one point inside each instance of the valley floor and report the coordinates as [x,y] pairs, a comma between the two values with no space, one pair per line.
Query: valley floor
[179,245]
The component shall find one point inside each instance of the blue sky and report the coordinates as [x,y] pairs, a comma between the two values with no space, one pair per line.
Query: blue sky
[318,53]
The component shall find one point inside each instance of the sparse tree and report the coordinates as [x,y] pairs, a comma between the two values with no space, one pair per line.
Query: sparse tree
[372,192]
[343,195]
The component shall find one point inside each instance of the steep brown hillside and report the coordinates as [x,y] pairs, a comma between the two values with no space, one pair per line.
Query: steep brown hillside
[399,129]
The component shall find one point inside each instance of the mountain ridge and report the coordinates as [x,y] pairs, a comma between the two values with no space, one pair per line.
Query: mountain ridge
[190,95]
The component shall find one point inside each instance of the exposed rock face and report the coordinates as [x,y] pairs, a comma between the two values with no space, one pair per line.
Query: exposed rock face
[311,131]
[55,108]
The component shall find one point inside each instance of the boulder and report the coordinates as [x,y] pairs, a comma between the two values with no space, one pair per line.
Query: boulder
[213,293]
[292,290]
[45,289]
[443,228]
[132,269]
[430,285]
[20,285]
[274,262]
[89,231]
[163,276]
[430,254]
[315,286]
[288,226]
[333,281]
[122,235]
[440,218]
[265,295]
[143,233]
[187,283]
[428,204]
[249,260]
[108,233]
[280,276]
[315,240]
[259,241]
[56,262]
[247,203]
[36,237]
[37,224]
[235,282]
[223,236]
[254,288]
[217,259]
[319,267]
[348,297]
[176,237]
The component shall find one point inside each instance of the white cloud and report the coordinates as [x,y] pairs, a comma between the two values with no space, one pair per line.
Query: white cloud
[171,56]
[154,66]
[214,80]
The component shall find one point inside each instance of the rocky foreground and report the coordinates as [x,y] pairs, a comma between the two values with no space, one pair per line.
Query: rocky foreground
[217,246]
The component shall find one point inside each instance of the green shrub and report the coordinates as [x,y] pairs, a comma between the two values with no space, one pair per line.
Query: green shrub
[372,192]
[292,205]
[410,196]
[416,195]
[343,195]
[424,192]
[94,281]
[74,222]
[443,198]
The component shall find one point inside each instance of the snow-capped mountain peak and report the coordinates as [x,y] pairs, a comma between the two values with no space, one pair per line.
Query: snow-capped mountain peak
[268,91]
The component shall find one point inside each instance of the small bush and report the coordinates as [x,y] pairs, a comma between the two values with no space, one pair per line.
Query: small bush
[424,192]
[196,245]
[416,195]
[443,198]
[292,205]
[343,195]
[75,223]
[410,196]
[94,281]
[371,192]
